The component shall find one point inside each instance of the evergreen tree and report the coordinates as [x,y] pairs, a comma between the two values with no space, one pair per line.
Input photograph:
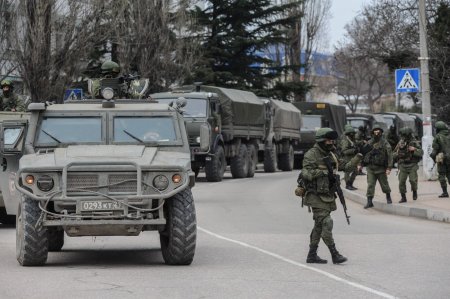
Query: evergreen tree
[236,32]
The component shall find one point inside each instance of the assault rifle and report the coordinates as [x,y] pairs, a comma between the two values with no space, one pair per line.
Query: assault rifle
[335,181]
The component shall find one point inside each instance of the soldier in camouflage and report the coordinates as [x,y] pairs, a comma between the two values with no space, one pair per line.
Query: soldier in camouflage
[9,100]
[320,195]
[441,155]
[379,164]
[348,149]
[408,153]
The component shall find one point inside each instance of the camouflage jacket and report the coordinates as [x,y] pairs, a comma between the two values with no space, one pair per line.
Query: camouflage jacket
[441,144]
[380,157]
[319,193]
[348,149]
[404,156]
[11,103]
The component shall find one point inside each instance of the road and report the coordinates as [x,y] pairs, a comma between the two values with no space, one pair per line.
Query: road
[252,243]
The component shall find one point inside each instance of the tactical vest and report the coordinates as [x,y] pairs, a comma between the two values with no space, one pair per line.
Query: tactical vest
[444,142]
[405,156]
[377,156]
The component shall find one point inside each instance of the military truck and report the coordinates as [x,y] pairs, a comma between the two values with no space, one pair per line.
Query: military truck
[93,168]
[367,121]
[237,122]
[19,117]
[317,115]
[283,123]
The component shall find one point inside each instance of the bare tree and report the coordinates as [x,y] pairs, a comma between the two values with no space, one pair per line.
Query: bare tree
[360,78]
[6,59]
[51,39]
[152,38]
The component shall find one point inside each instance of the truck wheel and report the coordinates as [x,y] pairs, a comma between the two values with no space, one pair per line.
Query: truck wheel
[239,163]
[252,160]
[31,241]
[215,168]
[55,238]
[270,159]
[5,218]
[196,170]
[180,234]
[286,161]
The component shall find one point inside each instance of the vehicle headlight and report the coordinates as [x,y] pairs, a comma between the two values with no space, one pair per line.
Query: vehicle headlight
[45,183]
[107,93]
[197,139]
[161,182]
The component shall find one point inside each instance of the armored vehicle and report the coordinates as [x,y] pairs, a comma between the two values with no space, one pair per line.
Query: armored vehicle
[237,122]
[283,123]
[93,168]
[317,115]
[8,117]
[366,121]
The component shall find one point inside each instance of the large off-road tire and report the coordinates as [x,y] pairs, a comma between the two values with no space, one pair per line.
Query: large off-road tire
[215,168]
[55,238]
[239,163]
[252,160]
[5,218]
[286,160]
[31,241]
[179,236]
[270,159]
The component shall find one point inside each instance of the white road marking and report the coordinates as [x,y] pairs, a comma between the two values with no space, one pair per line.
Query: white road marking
[277,256]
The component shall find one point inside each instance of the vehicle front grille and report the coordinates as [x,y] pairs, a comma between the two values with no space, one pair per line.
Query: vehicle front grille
[107,183]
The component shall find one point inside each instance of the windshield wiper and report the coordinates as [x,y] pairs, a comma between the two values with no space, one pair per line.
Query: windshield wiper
[50,135]
[132,136]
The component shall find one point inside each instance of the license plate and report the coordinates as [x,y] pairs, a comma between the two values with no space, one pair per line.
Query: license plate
[98,205]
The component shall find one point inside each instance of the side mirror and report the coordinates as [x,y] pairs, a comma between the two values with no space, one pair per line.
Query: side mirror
[12,138]
[205,137]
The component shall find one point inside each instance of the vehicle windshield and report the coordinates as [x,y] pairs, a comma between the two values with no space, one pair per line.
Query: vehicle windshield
[389,120]
[311,123]
[143,129]
[193,108]
[356,123]
[69,130]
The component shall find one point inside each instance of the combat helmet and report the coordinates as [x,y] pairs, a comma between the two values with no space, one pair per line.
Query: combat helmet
[377,126]
[406,131]
[6,82]
[349,130]
[440,125]
[110,67]
[326,133]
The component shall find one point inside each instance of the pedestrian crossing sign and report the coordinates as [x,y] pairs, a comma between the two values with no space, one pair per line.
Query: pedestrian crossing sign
[407,80]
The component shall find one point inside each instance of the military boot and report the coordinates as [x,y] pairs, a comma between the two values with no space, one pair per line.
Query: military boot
[388,198]
[444,193]
[369,202]
[313,258]
[414,195]
[403,198]
[336,256]
[350,187]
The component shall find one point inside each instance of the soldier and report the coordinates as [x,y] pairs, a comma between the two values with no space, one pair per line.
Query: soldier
[319,195]
[392,137]
[361,140]
[348,151]
[9,100]
[110,69]
[408,153]
[379,164]
[441,145]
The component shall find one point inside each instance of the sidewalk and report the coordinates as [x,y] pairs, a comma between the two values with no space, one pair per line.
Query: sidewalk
[427,206]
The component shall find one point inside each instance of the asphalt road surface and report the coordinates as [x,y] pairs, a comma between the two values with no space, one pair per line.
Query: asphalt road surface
[252,242]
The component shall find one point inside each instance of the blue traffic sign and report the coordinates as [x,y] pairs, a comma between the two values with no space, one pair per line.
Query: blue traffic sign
[73,94]
[407,80]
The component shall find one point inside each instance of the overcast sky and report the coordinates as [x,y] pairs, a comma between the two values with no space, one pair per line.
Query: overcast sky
[342,11]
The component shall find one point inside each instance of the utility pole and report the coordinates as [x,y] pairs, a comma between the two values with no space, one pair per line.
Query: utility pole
[427,139]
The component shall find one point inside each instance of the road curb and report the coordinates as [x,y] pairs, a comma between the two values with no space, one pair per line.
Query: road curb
[400,209]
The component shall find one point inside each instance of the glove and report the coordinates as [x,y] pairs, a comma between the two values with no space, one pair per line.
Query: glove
[300,191]
[365,149]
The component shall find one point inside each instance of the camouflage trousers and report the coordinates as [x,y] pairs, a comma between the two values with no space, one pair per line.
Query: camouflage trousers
[444,174]
[404,173]
[350,172]
[372,178]
[323,227]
